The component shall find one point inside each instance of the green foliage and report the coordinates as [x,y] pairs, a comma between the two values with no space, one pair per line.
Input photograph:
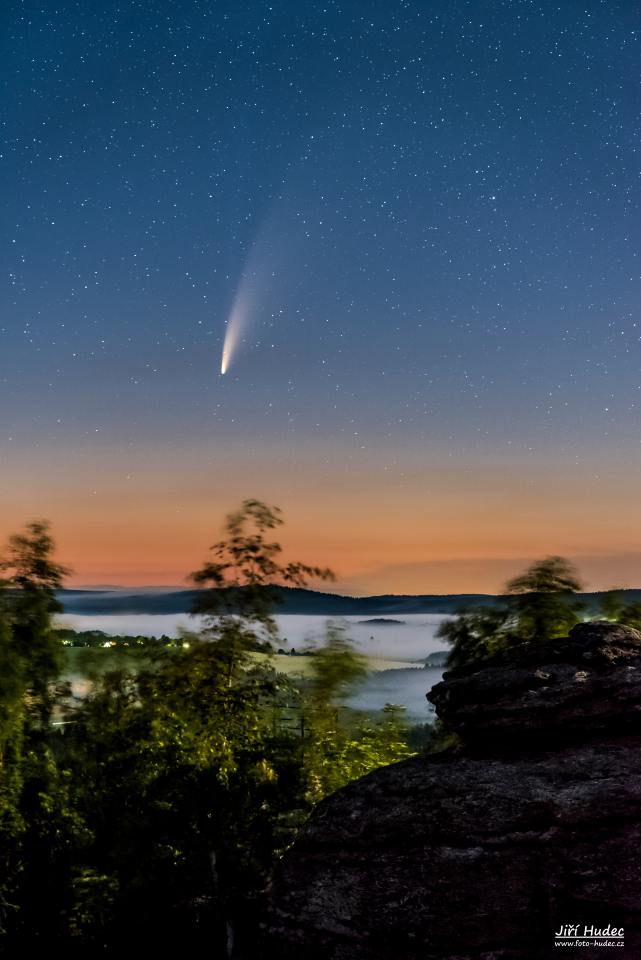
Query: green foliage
[186,810]
[245,568]
[552,575]
[13,682]
[37,826]
[197,772]
[475,635]
[538,606]
[160,802]
[614,607]
[630,615]
[343,746]
[335,666]
[542,600]
[31,579]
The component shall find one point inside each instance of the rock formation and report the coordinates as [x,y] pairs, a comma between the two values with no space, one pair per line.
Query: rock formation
[486,850]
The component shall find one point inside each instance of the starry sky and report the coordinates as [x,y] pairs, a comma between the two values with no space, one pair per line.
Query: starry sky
[429,215]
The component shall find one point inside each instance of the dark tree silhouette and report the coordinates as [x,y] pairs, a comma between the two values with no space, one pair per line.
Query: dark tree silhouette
[246,569]
[542,599]
[538,605]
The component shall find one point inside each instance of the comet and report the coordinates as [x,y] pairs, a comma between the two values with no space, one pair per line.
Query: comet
[259,290]
[252,295]
[252,298]
[236,326]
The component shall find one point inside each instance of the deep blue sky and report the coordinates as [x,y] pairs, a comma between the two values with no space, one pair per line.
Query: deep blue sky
[446,193]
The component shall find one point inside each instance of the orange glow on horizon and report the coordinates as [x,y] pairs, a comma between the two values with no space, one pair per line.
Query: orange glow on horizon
[439,527]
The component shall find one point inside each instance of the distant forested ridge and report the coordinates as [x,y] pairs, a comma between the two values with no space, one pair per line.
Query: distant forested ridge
[289,600]
[294,600]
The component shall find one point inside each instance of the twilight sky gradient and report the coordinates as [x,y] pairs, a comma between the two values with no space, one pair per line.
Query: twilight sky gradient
[429,214]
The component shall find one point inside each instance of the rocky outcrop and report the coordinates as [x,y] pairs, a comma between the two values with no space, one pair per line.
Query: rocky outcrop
[485,851]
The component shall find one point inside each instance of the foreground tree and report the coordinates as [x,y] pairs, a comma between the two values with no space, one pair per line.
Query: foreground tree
[242,580]
[183,764]
[538,605]
[154,817]
[198,769]
[614,607]
[542,600]
[29,600]
[474,635]
[37,827]
[341,745]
